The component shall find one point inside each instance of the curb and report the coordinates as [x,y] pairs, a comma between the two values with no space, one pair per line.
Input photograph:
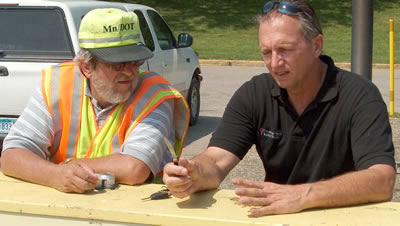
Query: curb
[254,63]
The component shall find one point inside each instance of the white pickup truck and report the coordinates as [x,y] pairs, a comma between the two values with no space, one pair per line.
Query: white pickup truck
[38,33]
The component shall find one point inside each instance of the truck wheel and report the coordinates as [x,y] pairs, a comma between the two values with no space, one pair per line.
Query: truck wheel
[194,100]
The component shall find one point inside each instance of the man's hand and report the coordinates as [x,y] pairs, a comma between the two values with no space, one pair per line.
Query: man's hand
[271,198]
[204,171]
[181,179]
[74,176]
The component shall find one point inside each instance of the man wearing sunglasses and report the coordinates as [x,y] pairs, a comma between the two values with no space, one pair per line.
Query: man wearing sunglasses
[98,114]
[322,133]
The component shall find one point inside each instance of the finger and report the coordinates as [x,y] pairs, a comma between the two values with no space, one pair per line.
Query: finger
[270,210]
[175,176]
[70,187]
[73,188]
[240,182]
[263,211]
[82,184]
[88,173]
[177,182]
[252,192]
[184,193]
[83,177]
[188,164]
[181,194]
[259,201]
[173,170]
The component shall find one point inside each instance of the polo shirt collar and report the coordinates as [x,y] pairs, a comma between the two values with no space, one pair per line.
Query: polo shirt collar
[328,91]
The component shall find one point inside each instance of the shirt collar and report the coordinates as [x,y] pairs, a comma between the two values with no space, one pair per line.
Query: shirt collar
[329,89]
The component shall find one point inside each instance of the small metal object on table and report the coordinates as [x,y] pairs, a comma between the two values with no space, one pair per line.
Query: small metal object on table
[164,193]
[106,181]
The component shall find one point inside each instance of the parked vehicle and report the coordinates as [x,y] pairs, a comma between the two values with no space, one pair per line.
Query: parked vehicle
[37,33]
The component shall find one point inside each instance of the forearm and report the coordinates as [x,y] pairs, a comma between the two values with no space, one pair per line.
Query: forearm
[371,185]
[210,176]
[25,165]
[125,168]
[71,177]
[213,166]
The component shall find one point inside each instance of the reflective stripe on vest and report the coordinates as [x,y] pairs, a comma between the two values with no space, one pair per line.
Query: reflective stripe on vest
[62,109]
[75,121]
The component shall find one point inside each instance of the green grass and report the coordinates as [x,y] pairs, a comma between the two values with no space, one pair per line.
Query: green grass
[225,29]
[396,115]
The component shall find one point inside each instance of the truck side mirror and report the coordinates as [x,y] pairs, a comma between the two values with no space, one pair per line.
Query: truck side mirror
[3,71]
[184,40]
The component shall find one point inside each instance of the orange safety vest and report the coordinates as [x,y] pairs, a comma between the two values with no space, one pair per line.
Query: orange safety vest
[76,132]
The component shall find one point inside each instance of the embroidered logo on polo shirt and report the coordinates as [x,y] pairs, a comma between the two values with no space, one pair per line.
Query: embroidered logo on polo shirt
[270,134]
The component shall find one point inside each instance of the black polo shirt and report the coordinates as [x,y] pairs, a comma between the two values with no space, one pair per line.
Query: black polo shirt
[345,128]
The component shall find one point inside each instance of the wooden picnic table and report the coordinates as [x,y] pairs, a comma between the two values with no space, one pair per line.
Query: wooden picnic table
[23,203]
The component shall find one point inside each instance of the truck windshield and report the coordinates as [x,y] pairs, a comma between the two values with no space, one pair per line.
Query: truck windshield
[33,34]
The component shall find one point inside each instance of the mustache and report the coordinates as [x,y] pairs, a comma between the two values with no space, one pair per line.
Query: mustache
[122,78]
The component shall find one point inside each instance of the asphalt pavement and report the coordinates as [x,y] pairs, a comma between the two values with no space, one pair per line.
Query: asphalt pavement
[219,84]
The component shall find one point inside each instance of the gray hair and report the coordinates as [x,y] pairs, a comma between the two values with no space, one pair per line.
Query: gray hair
[309,22]
[86,56]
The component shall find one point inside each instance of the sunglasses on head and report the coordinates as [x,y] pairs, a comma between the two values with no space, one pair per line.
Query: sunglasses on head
[285,7]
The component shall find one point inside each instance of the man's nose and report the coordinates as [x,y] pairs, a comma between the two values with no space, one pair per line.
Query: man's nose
[276,59]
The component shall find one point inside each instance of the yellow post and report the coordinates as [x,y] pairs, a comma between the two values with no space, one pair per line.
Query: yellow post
[391,47]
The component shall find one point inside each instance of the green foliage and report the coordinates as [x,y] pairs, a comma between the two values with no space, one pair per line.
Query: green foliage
[226,29]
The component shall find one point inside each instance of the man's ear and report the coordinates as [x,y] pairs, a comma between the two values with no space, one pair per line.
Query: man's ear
[318,45]
[86,69]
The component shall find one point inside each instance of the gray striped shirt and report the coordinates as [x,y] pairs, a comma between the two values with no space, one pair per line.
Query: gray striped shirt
[35,130]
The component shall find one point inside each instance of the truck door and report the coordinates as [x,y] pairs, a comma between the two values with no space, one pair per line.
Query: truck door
[168,56]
